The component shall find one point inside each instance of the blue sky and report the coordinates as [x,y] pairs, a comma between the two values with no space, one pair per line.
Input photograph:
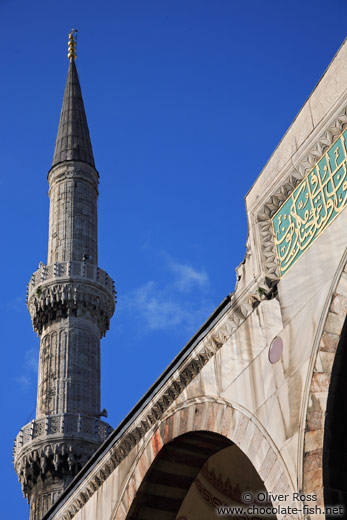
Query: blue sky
[185,101]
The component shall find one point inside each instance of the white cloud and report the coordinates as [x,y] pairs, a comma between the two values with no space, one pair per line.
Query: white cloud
[172,303]
[186,277]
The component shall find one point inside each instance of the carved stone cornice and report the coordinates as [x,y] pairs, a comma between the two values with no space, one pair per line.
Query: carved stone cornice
[302,167]
[56,444]
[64,423]
[59,457]
[70,289]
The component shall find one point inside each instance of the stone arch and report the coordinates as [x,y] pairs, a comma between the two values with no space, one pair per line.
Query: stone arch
[213,416]
[173,472]
[312,479]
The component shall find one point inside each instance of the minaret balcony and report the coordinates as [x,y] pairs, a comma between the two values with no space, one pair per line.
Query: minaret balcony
[68,289]
[57,444]
[66,424]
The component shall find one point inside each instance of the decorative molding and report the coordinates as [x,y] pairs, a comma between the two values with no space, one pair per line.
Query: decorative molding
[67,288]
[59,444]
[275,201]
[64,423]
[70,270]
[61,457]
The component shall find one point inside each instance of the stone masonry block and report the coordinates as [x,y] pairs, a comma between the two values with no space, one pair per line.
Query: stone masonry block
[313,440]
[320,382]
[324,361]
[313,459]
[315,420]
[247,437]
[334,323]
[240,430]
[329,342]
[254,445]
[226,421]
[267,464]
[313,480]
[317,402]
[339,305]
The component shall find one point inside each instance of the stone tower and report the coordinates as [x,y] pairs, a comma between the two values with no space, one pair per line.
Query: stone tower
[70,301]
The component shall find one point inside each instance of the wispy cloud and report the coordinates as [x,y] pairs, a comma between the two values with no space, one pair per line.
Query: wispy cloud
[29,368]
[180,301]
[187,277]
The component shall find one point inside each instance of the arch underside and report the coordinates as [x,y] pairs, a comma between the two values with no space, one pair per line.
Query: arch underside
[192,476]
[173,472]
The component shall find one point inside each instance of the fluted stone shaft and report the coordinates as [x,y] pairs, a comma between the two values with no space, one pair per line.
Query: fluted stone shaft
[73,214]
[69,368]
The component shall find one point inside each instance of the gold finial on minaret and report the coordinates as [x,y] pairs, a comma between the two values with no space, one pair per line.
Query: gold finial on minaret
[72,45]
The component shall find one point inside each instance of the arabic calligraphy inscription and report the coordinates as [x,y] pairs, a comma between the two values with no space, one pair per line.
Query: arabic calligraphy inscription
[312,206]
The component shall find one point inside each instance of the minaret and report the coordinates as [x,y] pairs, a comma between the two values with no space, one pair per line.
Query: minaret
[70,301]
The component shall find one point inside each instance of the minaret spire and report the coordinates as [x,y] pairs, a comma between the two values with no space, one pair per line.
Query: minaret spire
[73,141]
[71,302]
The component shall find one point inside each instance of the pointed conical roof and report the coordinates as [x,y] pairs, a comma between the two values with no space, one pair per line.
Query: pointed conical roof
[73,141]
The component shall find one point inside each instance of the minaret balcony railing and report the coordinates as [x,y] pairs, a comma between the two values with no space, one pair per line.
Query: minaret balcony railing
[70,270]
[64,423]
